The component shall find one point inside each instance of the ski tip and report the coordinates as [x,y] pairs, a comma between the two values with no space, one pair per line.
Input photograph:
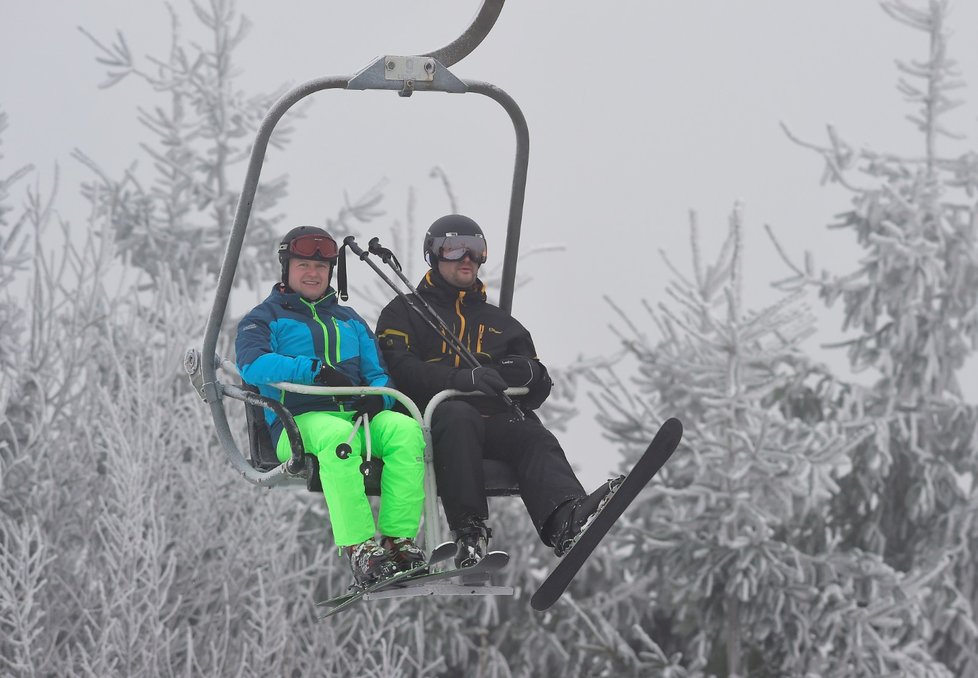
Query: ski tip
[442,552]
[539,604]
[671,428]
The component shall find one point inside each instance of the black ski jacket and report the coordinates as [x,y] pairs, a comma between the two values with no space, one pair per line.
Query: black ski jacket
[422,362]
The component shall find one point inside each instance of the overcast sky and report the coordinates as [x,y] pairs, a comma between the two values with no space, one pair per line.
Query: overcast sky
[639,111]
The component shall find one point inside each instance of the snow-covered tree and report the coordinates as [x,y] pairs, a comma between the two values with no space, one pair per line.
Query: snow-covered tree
[730,562]
[911,310]
[13,240]
[181,214]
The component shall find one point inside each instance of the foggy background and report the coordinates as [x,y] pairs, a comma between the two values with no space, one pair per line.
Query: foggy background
[811,523]
[638,113]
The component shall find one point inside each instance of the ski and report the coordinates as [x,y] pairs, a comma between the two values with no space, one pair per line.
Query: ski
[492,562]
[350,599]
[655,456]
[440,553]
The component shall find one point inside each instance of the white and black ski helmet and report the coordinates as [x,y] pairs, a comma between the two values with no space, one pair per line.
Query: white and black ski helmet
[447,227]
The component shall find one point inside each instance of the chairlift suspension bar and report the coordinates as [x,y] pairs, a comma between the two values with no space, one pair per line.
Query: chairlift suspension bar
[472,37]
[235,242]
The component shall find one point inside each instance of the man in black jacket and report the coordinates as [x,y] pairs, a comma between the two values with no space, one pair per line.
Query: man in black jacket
[467,430]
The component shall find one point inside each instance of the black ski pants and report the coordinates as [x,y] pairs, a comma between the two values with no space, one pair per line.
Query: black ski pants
[463,437]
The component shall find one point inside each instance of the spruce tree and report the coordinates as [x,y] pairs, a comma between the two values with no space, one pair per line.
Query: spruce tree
[911,311]
[179,216]
[731,565]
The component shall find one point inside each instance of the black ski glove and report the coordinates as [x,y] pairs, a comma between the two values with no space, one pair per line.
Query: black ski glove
[371,405]
[481,378]
[327,376]
[519,370]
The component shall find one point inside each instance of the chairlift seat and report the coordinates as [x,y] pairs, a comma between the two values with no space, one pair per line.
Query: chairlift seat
[500,478]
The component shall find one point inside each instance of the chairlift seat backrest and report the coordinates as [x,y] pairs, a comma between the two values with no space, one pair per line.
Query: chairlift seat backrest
[261,450]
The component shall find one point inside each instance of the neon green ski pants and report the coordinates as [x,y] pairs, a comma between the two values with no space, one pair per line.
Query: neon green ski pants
[395,438]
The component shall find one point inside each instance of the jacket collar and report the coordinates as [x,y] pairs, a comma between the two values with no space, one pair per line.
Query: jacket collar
[286,298]
[434,286]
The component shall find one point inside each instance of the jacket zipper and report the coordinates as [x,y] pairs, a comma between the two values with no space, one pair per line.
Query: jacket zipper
[326,344]
[461,329]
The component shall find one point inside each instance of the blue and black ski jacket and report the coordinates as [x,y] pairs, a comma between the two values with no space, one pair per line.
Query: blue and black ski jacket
[286,338]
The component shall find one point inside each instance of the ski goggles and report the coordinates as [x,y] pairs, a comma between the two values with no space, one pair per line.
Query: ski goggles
[312,246]
[456,247]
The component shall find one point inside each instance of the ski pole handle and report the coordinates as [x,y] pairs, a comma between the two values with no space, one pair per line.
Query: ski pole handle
[385,254]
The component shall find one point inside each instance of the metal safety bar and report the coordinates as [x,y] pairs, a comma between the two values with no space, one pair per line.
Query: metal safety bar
[295,469]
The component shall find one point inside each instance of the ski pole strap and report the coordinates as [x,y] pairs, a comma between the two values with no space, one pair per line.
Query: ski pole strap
[341,273]
[366,434]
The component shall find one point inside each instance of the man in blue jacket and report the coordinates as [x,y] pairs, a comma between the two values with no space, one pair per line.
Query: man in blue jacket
[300,334]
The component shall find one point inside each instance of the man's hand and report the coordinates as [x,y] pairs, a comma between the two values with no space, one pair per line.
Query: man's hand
[371,405]
[519,370]
[327,376]
[481,378]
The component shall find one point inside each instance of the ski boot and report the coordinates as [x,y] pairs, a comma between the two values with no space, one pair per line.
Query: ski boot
[370,562]
[405,554]
[471,542]
[571,518]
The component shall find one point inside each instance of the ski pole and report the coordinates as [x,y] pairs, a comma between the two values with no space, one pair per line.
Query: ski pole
[388,258]
[345,449]
[444,332]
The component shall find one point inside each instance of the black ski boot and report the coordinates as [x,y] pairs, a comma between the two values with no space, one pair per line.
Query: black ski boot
[370,562]
[571,518]
[471,542]
[405,554]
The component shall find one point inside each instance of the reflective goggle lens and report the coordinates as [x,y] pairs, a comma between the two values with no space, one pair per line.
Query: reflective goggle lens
[311,245]
[455,247]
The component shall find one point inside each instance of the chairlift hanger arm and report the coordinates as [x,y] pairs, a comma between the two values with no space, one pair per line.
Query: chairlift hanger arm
[472,37]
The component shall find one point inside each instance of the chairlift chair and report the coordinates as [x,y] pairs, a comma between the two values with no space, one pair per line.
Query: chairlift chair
[405,75]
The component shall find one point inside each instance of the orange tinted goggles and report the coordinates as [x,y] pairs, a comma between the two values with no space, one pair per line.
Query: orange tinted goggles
[309,246]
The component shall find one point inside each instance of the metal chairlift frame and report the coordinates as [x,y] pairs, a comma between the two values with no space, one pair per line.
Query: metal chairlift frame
[405,75]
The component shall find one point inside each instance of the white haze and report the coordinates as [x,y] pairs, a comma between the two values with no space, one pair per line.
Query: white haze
[639,112]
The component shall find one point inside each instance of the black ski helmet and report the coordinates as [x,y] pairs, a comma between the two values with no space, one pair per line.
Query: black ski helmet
[284,253]
[451,224]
